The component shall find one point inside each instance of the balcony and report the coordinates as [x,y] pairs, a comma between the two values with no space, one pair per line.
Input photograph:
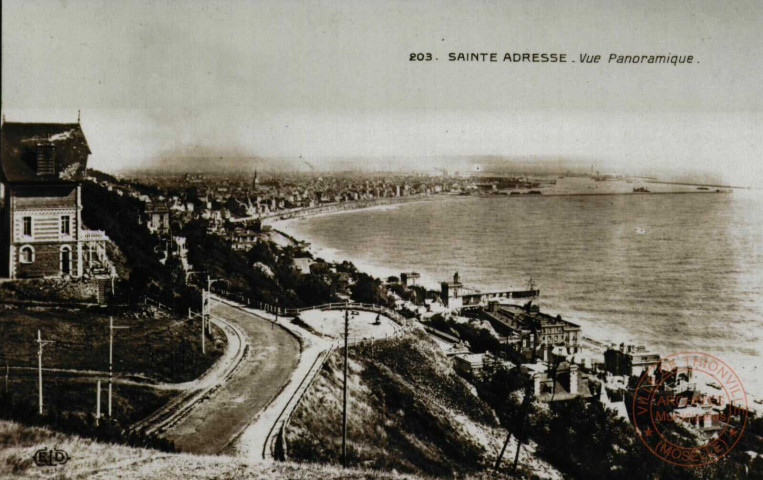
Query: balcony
[93,236]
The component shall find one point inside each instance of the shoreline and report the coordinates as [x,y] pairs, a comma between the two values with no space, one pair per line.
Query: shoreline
[285,228]
[603,336]
[336,208]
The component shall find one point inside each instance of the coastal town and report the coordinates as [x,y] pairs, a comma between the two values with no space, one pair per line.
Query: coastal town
[165,252]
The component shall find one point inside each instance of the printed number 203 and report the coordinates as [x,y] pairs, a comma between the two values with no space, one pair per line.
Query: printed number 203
[421,57]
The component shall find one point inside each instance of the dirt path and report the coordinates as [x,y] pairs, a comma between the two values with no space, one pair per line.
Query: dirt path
[272,358]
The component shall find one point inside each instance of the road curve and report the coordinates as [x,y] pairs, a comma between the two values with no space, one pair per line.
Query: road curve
[273,356]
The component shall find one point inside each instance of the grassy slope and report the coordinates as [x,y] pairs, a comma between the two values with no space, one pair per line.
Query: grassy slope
[81,343]
[408,410]
[93,460]
[81,339]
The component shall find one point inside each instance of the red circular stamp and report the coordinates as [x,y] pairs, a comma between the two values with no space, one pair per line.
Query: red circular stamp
[690,409]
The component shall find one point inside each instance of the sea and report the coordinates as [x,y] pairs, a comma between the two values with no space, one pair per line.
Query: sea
[673,272]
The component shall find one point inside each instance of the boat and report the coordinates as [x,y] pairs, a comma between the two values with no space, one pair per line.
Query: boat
[640,190]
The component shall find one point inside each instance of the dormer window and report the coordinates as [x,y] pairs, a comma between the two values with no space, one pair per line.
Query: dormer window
[46,159]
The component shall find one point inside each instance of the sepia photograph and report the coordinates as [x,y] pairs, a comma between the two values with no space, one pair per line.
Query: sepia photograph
[393,239]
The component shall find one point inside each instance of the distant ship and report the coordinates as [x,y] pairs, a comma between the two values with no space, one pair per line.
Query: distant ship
[640,190]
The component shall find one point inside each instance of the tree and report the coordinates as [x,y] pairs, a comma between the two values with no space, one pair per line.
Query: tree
[368,289]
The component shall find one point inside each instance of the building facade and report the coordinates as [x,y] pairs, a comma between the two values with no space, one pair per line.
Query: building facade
[43,165]
[157,217]
[455,295]
[450,292]
[539,335]
[629,360]
[409,279]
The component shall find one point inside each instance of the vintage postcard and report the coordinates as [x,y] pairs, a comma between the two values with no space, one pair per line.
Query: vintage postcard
[303,239]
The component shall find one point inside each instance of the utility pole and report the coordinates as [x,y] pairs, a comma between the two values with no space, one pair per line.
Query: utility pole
[201,315]
[111,356]
[98,403]
[344,401]
[503,450]
[208,303]
[525,407]
[208,311]
[39,366]
[203,347]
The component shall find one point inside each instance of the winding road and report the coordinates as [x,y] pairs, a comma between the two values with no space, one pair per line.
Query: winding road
[213,424]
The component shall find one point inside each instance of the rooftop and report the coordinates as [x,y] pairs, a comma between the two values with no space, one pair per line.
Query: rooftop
[20,145]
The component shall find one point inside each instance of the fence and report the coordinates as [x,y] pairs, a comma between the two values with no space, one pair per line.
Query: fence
[275,444]
[151,301]
[292,312]
[248,302]
[368,307]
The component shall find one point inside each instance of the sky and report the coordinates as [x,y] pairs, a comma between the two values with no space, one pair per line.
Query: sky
[161,81]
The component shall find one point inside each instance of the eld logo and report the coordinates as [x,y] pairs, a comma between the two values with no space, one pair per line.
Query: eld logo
[50,458]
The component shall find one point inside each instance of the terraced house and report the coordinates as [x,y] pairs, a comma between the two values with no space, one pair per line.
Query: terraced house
[43,165]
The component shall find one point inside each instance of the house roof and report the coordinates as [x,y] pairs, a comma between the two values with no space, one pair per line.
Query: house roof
[18,151]
[156,207]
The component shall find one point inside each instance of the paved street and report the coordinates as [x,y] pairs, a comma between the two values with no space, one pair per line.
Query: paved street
[272,358]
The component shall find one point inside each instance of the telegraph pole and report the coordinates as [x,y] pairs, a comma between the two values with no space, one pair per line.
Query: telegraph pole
[518,435]
[208,303]
[97,403]
[203,347]
[201,316]
[503,450]
[344,401]
[111,356]
[39,366]
[525,407]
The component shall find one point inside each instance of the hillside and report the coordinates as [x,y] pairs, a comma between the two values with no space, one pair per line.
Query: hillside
[94,460]
[408,410]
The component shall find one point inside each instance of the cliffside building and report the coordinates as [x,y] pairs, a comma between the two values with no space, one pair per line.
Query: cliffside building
[43,166]
[629,360]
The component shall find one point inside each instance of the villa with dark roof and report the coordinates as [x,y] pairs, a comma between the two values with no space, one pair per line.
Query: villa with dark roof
[43,165]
